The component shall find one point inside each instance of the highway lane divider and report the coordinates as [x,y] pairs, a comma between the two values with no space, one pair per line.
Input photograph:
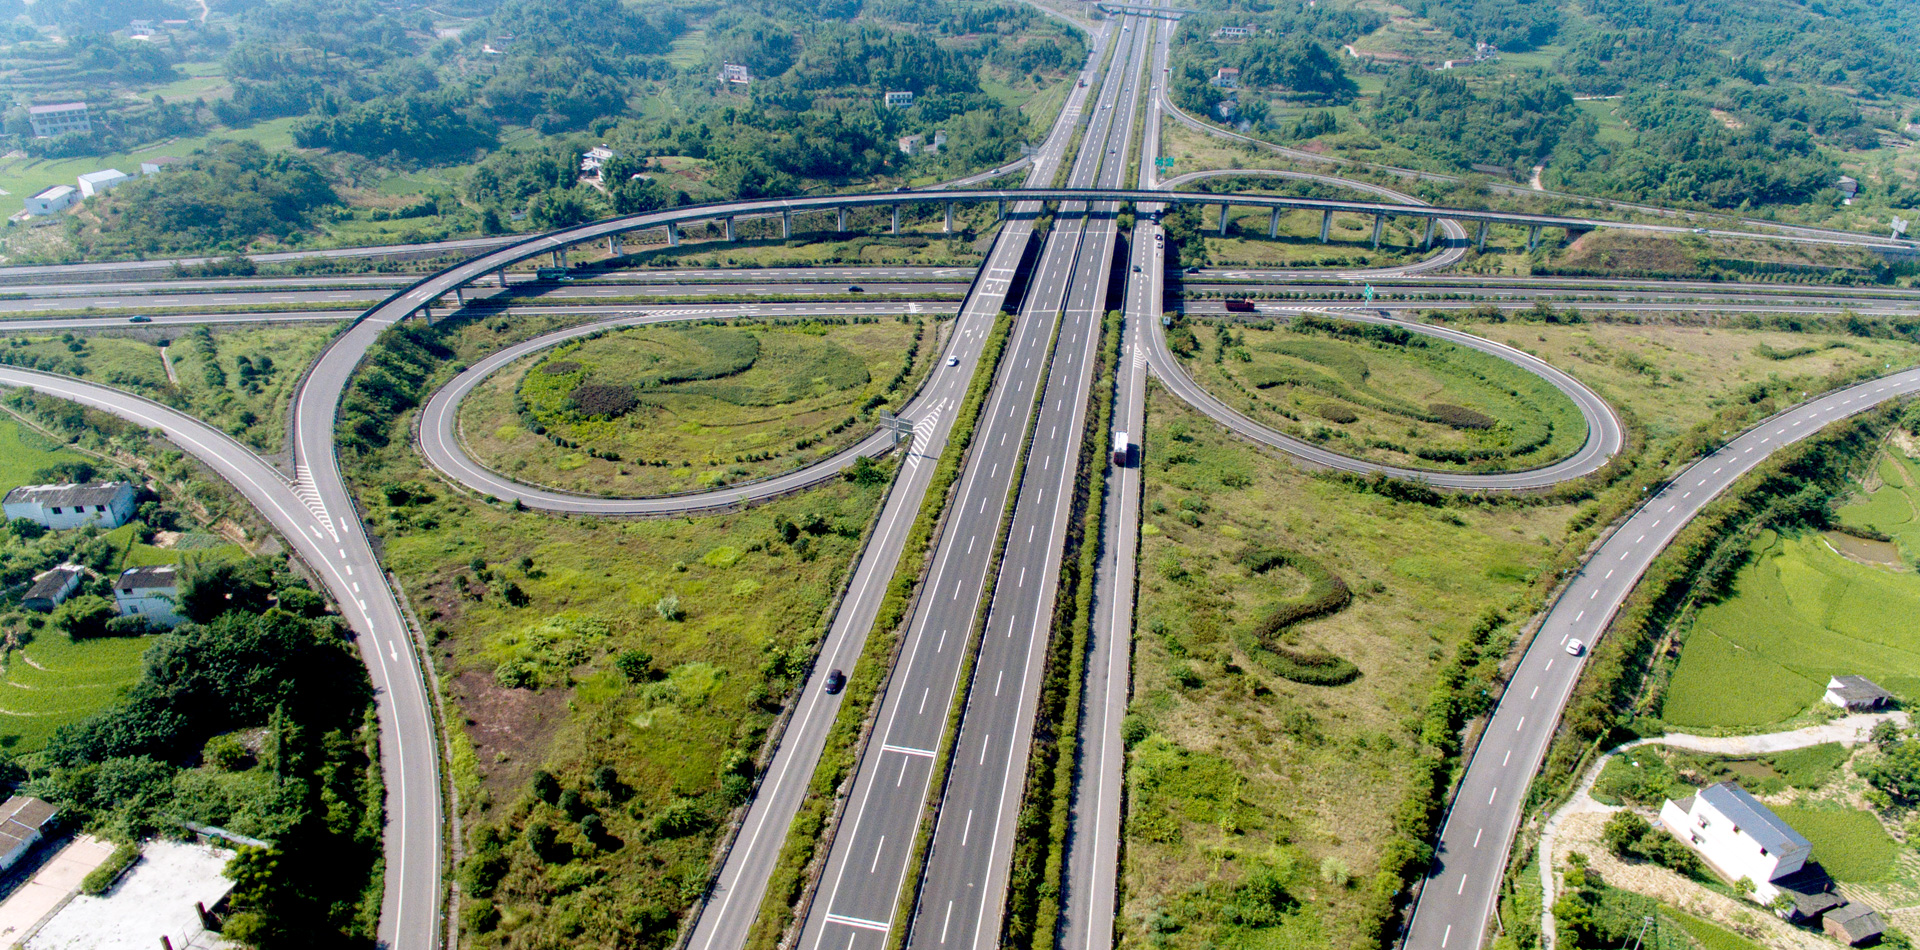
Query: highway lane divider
[810,836]
[963,687]
[1033,905]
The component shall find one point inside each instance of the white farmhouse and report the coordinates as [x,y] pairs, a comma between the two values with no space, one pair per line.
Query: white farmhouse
[93,183]
[52,200]
[897,99]
[150,592]
[1738,836]
[108,504]
[51,588]
[1856,694]
[22,820]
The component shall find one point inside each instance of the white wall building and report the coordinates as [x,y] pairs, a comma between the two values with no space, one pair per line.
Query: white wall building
[22,820]
[1738,836]
[52,200]
[58,119]
[158,165]
[53,587]
[897,100]
[735,73]
[108,504]
[150,592]
[93,183]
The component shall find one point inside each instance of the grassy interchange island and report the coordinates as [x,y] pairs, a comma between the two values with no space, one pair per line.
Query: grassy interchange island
[661,409]
[1384,393]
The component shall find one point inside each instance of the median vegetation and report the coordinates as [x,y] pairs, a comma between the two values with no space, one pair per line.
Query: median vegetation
[801,855]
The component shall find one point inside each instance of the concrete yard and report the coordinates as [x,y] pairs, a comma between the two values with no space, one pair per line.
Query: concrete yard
[154,899]
[42,894]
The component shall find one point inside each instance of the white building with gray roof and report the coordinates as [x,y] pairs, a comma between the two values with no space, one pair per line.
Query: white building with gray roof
[1738,836]
[107,504]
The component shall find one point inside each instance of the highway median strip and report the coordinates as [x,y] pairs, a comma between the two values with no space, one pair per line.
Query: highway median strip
[800,855]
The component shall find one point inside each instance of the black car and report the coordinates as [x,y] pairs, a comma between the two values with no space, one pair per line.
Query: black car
[856,289]
[836,681]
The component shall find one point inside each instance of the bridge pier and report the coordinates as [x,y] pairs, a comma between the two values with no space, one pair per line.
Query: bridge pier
[560,257]
[1223,219]
[501,275]
[615,247]
[1326,225]
[842,218]
[1379,225]
[1481,243]
[786,224]
[1428,240]
[948,227]
[896,219]
[1003,209]
[729,221]
[1533,238]
[673,234]
[460,294]
[1273,224]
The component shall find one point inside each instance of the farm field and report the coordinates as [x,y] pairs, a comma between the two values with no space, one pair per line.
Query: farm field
[1850,844]
[1275,762]
[1399,398]
[53,681]
[1797,613]
[239,378]
[691,407]
[1889,503]
[24,452]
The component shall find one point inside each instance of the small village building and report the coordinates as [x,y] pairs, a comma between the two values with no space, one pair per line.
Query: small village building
[596,158]
[152,593]
[59,507]
[52,200]
[897,99]
[158,165]
[1233,32]
[59,118]
[1848,187]
[911,143]
[94,183]
[1228,77]
[1856,694]
[1738,837]
[140,29]
[1855,925]
[23,820]
[52,588]
[735,73]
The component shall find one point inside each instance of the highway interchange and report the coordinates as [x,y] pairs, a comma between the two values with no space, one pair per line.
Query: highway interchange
[971,590]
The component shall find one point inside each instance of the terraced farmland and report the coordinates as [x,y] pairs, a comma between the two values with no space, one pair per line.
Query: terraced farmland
[53,681]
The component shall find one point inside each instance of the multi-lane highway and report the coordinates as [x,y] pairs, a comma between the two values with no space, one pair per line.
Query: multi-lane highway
[1457,898]
[961,891]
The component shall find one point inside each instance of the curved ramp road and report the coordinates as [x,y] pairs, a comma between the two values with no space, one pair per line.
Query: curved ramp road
[444,446]
[1605,433]
[1471,857]
[330,541]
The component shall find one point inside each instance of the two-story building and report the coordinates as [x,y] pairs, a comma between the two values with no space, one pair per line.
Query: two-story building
[897,99]
[1738,836]
[107,504]
[149,592]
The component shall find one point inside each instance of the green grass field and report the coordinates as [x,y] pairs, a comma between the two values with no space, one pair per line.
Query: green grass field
[23,176]
[1798,614]
[1851,845]
[1710,936]
[1891,506]
[24,451]
[1429,404]
[714,404]
[54,681]
[248,399]
[1238,771]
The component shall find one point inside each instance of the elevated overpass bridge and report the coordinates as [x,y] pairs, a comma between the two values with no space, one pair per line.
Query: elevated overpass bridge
[1070,200]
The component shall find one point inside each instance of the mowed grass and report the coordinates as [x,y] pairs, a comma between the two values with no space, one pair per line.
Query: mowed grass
[1236,772]
[1392,403]
[24,452]
[1674,377]
[1350,240]
[1851,845]
[1798,613]
[53,681]
[239,378]
[761,400]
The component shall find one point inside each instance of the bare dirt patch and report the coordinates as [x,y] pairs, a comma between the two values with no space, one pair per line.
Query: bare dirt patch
[508,727]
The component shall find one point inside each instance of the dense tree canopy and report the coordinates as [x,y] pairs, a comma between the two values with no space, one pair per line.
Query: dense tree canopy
[221,197]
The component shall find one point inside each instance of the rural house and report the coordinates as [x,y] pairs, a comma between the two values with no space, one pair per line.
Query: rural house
[1738,836]
[735,73]
[59,118]
[94,183]
[149,592]
[1855,925]
[22,821]
[52,199]
[897,99]
[1856,693]
[53,587]
[108,504]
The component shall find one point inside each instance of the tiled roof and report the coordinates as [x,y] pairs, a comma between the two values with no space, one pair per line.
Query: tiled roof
[1746,812]
[142,578]
[51,583]
[88,493]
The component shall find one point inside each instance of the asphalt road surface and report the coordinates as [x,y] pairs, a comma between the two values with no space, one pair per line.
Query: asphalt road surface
[1457,898]
[962,894]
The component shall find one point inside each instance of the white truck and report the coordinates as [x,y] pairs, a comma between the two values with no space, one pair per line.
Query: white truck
[1121,449]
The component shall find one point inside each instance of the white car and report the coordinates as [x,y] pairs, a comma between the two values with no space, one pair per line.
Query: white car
[953,361]
[1575,648]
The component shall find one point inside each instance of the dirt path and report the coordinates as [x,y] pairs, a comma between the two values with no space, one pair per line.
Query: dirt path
[1579,821]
